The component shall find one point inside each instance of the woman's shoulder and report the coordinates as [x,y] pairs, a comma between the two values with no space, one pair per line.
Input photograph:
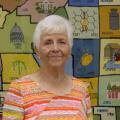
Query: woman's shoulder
[79,84]
[22,82]
[25,84]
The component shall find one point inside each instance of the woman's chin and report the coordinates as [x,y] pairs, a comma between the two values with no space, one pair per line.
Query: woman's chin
[56,64]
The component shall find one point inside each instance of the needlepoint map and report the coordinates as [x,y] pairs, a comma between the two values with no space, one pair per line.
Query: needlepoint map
[95,56]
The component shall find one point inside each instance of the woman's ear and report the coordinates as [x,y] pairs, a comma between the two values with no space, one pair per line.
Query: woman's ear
[37,52]
[70,52]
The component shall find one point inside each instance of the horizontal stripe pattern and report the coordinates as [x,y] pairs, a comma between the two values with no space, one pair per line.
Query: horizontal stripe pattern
[26,101]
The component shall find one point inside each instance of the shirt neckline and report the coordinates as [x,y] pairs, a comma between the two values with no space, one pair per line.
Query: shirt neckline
[43,90]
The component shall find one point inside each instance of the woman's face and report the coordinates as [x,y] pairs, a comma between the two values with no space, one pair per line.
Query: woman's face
[54,49]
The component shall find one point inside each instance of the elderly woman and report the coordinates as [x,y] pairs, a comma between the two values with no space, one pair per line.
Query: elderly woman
[49,94]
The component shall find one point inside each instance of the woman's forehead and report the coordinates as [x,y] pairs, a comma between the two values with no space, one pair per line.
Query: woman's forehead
[55,29]
[54,34]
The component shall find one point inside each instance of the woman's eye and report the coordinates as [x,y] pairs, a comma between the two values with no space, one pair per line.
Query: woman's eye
[62,42]
[48,42]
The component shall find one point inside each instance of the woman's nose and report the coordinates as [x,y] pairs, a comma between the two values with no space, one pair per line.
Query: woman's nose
[55,45]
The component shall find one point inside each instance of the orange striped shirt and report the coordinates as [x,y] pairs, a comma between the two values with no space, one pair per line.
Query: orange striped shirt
[26,101]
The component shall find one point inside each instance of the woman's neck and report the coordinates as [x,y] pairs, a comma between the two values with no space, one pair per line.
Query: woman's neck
[54,80]
[52,74]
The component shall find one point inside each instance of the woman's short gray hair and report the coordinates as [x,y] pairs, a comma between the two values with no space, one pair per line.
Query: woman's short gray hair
[53,24]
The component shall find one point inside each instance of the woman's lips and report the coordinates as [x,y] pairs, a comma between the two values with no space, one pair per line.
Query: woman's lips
[55,57]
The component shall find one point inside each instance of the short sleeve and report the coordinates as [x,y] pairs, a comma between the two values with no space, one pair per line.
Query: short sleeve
[88,105]
[13,104]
